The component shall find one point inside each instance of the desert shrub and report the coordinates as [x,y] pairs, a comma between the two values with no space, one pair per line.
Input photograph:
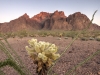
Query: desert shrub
[91,38]
[22,33]
[66,37]
[2,34]
[6,35]
[53,34]
[70,33]
[41,33]
[95,33]
[31,34]
[84,39]
[13,35]
[98,38]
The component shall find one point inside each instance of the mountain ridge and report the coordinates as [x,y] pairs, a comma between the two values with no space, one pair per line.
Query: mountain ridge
[49,21]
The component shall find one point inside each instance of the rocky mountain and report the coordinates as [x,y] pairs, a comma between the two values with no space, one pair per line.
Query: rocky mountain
[80,21]
[57,20]
[21,23]
[49,21]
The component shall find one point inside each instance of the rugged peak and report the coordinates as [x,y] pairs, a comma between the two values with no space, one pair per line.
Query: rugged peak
[78,21]
[43,13]
[25,16]
[41,16]
[79,14]
[58,14]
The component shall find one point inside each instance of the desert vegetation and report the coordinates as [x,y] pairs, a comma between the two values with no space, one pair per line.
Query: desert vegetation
[89,35]
[13,59]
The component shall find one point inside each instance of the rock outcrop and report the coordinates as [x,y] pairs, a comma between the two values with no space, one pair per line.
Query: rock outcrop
[56,21]
[78,21]
[41,17]
[51,21]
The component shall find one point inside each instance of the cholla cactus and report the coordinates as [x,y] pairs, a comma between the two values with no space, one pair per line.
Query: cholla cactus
[43,54]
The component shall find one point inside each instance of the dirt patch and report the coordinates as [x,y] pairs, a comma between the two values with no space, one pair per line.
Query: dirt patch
[74,55]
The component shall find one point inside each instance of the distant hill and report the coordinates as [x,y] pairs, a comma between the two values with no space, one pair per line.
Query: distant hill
[49,21]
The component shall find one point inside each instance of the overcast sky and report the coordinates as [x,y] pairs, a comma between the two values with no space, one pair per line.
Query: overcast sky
[12,9]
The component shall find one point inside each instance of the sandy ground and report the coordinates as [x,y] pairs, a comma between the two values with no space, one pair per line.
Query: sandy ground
[74,55]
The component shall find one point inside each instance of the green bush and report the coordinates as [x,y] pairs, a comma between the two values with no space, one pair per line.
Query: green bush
[22,34]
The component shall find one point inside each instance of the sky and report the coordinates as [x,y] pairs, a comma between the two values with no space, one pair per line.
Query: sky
[12,9]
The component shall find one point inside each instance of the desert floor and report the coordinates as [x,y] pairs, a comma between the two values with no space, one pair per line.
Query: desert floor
[78,51]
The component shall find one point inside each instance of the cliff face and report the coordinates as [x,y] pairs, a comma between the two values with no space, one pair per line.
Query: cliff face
[41,17]
[51,21]
[57,20]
